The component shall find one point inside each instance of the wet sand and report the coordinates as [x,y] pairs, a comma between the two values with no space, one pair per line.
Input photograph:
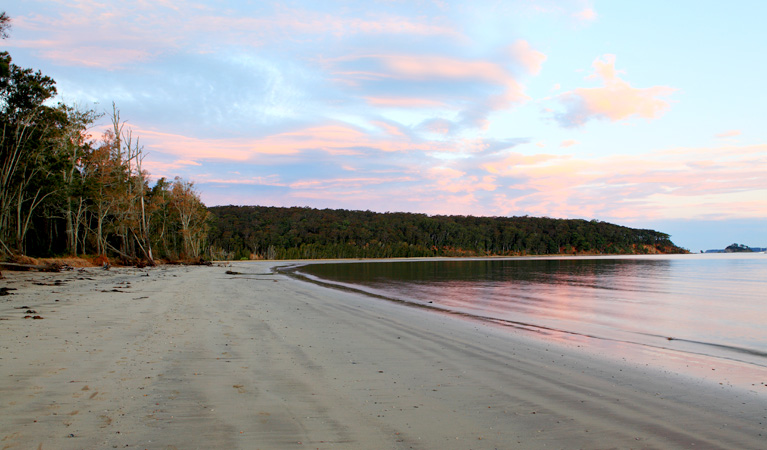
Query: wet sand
[193,357]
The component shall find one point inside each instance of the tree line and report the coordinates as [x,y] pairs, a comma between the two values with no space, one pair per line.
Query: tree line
[256,232]
[64,191]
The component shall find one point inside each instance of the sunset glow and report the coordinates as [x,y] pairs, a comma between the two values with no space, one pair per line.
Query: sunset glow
[623,112]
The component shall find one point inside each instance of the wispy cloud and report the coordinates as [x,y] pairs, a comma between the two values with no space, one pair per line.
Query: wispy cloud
[405,103]
[586,15]
[472,86]
[161,27]
[531,59]
[455,181]
[650,185]
[728,134]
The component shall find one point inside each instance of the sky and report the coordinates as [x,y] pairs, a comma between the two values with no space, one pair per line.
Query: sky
[647,114]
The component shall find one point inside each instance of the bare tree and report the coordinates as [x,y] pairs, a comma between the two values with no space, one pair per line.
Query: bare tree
[134,156]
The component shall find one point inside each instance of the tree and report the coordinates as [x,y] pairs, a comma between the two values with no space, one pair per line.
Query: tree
[72,145]
[26,130]
[192,216]
[102,172]
[5,25]
[136,154]
[130,155]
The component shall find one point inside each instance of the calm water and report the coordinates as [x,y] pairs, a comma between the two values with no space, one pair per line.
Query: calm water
[684,308]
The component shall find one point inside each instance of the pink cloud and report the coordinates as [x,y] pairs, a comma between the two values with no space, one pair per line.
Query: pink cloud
[187,162]
[294,20]
[77,51]
[100,34]
[437,126]
[389,128]
[85,32]
[510,164]
[340,139]
[404,102]
[346,183]
[334,139]
[586,15]
[568,143]
[655,185]
[353,192]
[454,181]
[426,67]
[97,57]
[616,100]
[531,60]
[729,133]
[500,90]
[194,148]
[271,180]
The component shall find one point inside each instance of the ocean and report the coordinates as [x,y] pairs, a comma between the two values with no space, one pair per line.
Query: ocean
[694,314]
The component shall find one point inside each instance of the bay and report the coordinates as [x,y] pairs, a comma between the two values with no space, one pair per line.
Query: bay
[691,313]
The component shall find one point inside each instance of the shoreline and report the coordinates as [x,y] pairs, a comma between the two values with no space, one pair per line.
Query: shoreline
[190,357]
[715,368]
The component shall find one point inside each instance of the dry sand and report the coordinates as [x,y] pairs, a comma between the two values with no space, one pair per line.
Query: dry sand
[191,357]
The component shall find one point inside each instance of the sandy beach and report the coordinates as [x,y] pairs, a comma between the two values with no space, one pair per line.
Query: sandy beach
[194,358]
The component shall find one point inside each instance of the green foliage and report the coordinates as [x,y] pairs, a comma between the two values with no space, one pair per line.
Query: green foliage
[61,192]
[5,25]
[737,248]
[306,233]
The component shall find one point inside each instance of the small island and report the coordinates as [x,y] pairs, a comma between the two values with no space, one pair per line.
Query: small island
[737,248]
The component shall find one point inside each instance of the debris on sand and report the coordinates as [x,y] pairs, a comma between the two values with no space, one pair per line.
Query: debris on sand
[6,290]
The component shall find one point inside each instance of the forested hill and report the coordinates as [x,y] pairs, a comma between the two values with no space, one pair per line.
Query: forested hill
[305,233]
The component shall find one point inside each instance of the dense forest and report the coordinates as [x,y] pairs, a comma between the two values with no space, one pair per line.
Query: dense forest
[64,191]
[255,232]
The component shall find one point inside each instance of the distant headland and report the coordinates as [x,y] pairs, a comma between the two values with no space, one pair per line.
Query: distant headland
[261,232]
[737,248]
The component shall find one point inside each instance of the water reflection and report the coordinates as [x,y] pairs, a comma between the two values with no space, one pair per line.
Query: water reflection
[706,305]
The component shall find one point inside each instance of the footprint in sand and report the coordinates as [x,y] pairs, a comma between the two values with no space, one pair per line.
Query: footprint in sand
[106,421]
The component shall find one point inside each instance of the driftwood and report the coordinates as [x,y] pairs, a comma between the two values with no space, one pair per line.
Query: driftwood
[52,267]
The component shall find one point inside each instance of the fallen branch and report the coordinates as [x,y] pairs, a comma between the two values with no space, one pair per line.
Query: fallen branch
[52,267]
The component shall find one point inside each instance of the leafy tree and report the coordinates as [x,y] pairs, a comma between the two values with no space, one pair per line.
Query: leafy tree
[27,131]
[73,145]
[192,216]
